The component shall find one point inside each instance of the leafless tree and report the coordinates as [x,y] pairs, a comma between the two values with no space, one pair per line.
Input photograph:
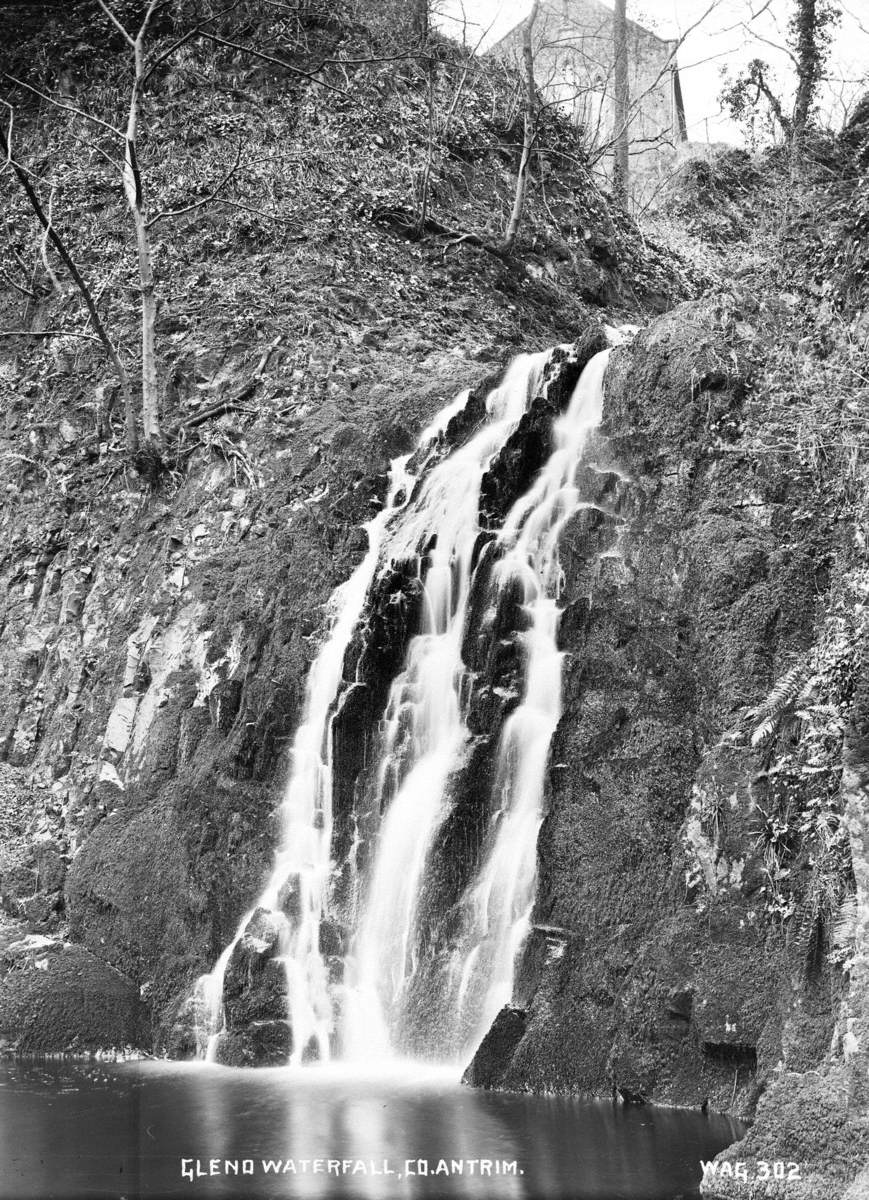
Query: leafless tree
[579,51]
[621,101]
[84,291]
[133,188]
[126,162]
[529,130]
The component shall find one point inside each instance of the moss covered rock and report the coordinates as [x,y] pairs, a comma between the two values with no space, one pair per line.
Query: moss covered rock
[59,998]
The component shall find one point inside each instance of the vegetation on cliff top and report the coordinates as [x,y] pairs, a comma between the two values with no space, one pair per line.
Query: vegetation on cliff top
[296,176]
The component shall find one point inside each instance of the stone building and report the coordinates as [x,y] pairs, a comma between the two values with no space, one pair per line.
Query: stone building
[573,65]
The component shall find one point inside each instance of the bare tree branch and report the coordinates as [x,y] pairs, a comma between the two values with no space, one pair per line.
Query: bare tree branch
[530,130]
[41,333]
[43,247]
[67,107]
[18,287]
[78,279]
[117,24]
[184,39]
[178,212]
[621,104]
[774,45]
[278,62]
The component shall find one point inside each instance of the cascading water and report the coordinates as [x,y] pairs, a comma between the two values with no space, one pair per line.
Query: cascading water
[299,879]
[426,735]
[425,721]
[497,907]
[430,525]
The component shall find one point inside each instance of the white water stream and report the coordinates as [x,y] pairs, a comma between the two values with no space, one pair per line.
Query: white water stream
[304,853]
[423,741]
[425,717]
[498,904]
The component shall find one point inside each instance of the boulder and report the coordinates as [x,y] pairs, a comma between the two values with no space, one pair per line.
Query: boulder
[488,1066]
[57,997]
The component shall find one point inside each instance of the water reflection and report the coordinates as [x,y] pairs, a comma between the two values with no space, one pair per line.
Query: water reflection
[72,1131]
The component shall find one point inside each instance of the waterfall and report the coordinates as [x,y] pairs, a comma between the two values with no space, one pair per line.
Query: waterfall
[303,860]
[425,719]
[426,734]
[461,964]
[497,907]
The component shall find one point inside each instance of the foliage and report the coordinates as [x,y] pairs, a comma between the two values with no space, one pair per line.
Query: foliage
[777,714]
[792,255]
[752,93]
[740,98]
[795,265]
[800,833]
[292,247]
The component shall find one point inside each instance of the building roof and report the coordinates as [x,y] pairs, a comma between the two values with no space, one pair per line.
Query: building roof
[605,13]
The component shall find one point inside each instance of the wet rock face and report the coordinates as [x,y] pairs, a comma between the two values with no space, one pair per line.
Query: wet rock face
[815,1113]
[257,1030]
[260,1044]
[255,985]
[496,1049]
[376,654]
[683,602]
[528,448]
[33,863]
[814,1119]
[374,658]
[492,652]
[152,667]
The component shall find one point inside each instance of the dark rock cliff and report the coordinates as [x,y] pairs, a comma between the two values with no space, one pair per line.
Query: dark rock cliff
[660,967]
[155,655]
[155,644]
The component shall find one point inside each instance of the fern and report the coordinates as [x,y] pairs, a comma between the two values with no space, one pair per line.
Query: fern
[778,708]
[763,731]
[845,928]
[804,931]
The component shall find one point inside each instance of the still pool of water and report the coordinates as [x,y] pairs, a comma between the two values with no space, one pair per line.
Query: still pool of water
[141,1129]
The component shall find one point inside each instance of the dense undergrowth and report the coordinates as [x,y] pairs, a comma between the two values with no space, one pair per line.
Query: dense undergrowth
[283,160]
[789,249]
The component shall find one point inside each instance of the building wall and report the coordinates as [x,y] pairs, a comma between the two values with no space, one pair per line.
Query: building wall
[574,65]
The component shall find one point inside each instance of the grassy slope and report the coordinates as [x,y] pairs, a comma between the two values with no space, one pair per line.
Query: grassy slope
[320,163]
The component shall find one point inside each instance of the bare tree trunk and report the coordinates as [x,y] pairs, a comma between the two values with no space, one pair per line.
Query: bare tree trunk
[431,75]
[679,105]
[809,64]
[420,20]
[529,134]
[133,188]
[85,293]
[135,200]
[621,104]
[150,394]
